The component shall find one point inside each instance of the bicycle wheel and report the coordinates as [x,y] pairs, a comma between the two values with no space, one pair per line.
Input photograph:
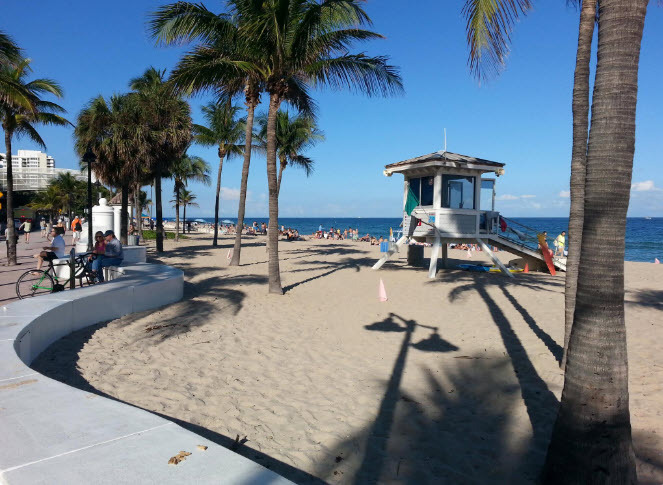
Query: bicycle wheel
[34,283]
[83,272]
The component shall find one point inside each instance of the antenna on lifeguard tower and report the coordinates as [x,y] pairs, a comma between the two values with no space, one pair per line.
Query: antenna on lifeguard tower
[445,141]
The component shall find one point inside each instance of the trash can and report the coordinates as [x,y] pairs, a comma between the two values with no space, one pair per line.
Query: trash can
[384,246]
[415,255]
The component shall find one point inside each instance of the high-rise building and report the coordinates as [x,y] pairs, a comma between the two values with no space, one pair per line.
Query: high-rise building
[32,170]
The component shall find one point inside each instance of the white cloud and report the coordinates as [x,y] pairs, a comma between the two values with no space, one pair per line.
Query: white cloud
[565,194]
[646,186]
[229,193]
[515,197]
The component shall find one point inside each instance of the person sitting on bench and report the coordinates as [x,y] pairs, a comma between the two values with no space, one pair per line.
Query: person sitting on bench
[113,255]
[54,251]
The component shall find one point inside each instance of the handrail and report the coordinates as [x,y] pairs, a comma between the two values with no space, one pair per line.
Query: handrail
[526,237]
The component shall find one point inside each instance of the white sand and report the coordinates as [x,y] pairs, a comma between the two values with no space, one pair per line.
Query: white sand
[450,381]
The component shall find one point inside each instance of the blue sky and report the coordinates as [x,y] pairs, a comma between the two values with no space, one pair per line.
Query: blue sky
[521,118]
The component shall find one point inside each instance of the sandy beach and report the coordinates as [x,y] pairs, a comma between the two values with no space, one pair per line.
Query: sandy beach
[452,380]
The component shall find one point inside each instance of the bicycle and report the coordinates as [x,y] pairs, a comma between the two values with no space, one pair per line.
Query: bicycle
[36,282]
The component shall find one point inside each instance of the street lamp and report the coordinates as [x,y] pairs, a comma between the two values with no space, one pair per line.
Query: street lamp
[89,158]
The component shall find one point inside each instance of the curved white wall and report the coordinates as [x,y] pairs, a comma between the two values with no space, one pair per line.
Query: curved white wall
[53,433]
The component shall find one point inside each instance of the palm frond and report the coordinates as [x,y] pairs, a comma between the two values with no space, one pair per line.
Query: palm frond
[45,86]
[206,68]
[25,129]
[357,72]
[184,22]
[9,51]
[305,163]
[489,24]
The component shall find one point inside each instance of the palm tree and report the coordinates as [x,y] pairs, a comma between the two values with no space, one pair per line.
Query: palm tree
[591,440]
[50,201]
[580,107]
[68,189]
[19,119]
[112,130]
[167,131]
[10,91]
[225,62]
[226,132]
[187,169]
[488,26]
[293,136]
[186,198]
[307,44]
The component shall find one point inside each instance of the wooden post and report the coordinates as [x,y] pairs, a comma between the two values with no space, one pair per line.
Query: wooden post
[390,253]
[495,259]
[72,268]
[432,270]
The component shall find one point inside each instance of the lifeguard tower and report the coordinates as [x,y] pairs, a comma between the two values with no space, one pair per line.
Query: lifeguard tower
[450,198]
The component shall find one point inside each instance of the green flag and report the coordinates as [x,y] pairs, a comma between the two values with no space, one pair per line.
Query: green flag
[411,202]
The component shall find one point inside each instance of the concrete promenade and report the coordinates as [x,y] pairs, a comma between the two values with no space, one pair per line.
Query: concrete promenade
[25,251]
[55,433]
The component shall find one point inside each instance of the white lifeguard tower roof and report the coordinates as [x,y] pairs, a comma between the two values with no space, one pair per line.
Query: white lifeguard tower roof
[444,159]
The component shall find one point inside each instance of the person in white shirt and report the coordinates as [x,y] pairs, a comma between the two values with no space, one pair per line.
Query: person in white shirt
[54,251]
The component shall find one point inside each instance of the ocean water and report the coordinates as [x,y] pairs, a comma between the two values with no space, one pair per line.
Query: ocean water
[644,237]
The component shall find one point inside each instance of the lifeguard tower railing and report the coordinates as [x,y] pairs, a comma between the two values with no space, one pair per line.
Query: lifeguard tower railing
[520,234]
[451,223]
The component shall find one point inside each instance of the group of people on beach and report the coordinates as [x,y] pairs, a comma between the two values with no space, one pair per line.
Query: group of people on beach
[351,234]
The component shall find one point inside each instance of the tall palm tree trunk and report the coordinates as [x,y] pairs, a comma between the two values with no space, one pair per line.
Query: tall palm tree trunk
[159,213]
[184,218]
[138,210]
[591,440]
[274,274]
[282,168]
[124,214]
[11,231]
[251,107]
[580,107]
[222,155]
[177,211]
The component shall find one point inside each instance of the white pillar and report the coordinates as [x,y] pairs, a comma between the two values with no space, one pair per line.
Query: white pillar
[437,190]
[117,210]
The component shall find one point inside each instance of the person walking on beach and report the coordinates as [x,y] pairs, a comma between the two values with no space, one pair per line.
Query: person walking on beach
[27,227]
[560,242]
[42,224]
[113,255]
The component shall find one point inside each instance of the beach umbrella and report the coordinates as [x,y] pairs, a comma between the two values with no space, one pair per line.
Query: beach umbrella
[227,221]
[198,220]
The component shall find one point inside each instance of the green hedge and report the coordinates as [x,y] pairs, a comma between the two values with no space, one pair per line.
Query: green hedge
[152,235]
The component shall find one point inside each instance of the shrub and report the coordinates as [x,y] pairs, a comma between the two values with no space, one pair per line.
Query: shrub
[149,235]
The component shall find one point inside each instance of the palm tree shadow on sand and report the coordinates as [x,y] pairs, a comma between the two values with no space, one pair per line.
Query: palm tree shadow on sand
[458,431]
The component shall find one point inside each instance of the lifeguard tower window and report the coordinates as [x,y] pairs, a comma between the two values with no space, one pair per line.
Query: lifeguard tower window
[487,194]
[457,192]
[423,189]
